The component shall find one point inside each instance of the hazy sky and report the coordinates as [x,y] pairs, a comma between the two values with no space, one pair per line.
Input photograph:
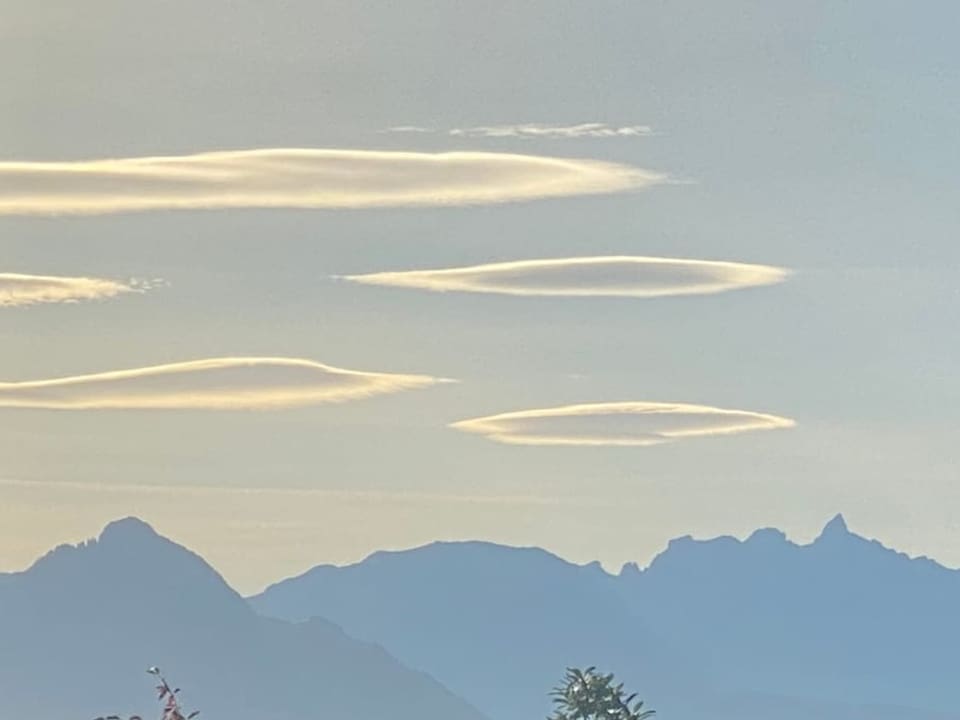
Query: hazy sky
[816,140]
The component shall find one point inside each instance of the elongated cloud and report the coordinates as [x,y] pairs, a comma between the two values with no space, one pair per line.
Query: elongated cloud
[537,130]
[303,178]
[622,424]
[217,384]
[617,276]
[534,130]
[19,290]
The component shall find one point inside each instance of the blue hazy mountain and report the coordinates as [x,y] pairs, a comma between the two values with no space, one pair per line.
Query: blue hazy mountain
[761,629]
[78,629]
[501,624]
[842,618]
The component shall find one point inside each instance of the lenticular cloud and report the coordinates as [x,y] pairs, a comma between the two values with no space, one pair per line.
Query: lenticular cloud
[216,384]
[618,276]
[303,178]
[19,290]
[625,424]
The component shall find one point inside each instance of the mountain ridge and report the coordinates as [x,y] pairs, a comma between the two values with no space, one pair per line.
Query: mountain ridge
[761,628]
[835,527]
[764,616]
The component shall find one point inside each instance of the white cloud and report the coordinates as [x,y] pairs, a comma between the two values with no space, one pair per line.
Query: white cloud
[622,424]
[216,384]
[17,290]
[624,276]
[535,130]
[408,129]
[304,178]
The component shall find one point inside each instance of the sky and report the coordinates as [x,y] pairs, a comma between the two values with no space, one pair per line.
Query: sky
[298,282]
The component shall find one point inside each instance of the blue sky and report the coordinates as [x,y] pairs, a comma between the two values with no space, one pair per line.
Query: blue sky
[818,137]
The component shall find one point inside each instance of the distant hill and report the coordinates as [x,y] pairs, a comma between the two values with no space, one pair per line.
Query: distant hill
[78,629]
[763,629]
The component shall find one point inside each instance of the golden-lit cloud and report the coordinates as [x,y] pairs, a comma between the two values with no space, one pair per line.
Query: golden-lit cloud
[617,276]
[622,424]
[18,290]
[303,178]
[216,384]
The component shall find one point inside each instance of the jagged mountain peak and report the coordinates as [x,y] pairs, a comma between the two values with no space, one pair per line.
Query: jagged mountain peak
[128,563]
[128,537]
[835,528]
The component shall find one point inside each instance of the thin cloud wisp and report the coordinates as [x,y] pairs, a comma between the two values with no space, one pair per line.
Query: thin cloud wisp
[215,384]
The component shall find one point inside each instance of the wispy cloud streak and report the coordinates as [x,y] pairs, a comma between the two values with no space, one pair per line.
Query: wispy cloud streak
[625,424]
[17,290]
[304,178]
[538,130]
[216,384]
[615,276]
[554,132]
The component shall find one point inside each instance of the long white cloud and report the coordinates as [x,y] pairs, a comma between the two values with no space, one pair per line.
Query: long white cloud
[535,130]
[303,178]
[18,290]
[623,424]
[539,130]
[623,276]
[216,384]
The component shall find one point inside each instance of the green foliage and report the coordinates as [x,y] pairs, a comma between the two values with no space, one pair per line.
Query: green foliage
[589,695]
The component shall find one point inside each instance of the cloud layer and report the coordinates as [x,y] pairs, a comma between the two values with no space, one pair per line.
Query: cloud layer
[537,130]
[216,384]
[617,276]
[624,424]
[18,290]
[303,178]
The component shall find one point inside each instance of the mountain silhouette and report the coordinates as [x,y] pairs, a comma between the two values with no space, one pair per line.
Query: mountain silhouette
[841,618]
[760,629]
[500,623]
[79,628]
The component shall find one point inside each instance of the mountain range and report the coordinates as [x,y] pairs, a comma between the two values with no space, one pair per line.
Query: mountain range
[761,629]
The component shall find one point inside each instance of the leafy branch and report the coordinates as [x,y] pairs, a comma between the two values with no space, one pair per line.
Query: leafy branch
[589,695]
[168,698]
